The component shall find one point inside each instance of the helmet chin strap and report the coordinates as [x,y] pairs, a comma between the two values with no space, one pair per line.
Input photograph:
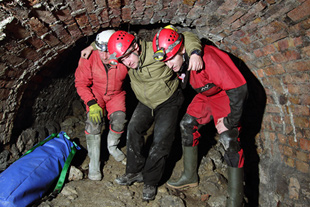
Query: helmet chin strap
[136,54]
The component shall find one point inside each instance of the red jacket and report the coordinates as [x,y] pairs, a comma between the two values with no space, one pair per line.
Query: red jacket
[94,81]
[221,74]
[219,70]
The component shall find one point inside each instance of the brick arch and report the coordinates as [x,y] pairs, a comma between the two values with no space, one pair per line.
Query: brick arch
[270,37]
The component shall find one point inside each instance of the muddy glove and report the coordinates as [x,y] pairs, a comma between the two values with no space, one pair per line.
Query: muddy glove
[95,113]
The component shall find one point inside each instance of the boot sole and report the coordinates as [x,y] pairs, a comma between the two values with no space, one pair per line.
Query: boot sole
[95,177]
[148,199]
[191,185]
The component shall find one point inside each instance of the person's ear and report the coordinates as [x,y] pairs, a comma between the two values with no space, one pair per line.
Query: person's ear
[182,50]
[136,46]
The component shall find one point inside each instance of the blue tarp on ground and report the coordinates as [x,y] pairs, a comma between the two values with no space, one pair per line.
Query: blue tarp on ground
[28,178]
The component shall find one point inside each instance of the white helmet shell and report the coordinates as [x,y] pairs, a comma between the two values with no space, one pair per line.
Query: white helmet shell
[102,39]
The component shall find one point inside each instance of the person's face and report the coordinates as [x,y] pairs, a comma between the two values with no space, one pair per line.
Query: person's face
[175,63]
[131,60]
[104,56]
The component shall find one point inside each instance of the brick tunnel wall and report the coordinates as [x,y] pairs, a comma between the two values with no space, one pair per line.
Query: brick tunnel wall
[270,38]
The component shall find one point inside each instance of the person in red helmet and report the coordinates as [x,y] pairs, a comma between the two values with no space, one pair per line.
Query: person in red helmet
[222,91]
[100,87]
[157,90]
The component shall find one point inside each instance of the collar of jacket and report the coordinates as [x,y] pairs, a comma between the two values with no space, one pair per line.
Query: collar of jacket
[184,66]
[142,45]
[146,54]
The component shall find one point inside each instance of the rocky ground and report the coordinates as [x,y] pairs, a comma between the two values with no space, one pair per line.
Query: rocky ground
[79,191]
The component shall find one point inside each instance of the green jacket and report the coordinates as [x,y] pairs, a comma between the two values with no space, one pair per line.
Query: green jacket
[191,42]
[153,82]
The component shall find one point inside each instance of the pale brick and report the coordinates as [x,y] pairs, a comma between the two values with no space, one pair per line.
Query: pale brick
[302,166]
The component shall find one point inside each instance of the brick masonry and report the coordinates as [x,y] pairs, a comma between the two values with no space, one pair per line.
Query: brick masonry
[270,37]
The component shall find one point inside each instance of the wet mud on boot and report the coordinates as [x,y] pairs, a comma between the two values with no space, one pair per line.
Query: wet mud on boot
[149,192]
[235,187]
[129,178]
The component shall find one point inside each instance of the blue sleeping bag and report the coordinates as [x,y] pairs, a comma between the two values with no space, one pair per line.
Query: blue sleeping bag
[28,178]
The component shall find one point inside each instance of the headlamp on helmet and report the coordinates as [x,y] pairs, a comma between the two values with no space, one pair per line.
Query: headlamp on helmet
[160,54]
[113,60]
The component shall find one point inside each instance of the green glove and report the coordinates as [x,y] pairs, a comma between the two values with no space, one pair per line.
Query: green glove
[95,113]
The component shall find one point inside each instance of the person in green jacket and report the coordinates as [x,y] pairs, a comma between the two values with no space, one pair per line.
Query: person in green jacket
[160,98]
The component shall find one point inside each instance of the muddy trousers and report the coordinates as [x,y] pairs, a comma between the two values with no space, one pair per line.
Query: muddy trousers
[165,118]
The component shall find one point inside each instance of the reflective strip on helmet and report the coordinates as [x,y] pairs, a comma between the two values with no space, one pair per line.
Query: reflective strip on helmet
[102,47]
[170,48]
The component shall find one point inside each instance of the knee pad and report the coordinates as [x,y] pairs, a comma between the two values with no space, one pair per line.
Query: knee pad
[189,130]
[233,153]
[94,129]
[229,140]
[117,121]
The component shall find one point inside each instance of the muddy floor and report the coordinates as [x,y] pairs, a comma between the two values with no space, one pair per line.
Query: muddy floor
[85,192]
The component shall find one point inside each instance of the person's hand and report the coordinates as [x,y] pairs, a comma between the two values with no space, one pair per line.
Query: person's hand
[195,62]
[95,113]
[220,125]
[85,53]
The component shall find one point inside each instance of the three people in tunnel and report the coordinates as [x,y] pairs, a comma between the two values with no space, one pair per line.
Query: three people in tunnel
[154,70]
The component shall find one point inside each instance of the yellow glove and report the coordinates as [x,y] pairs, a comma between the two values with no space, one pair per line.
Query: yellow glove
[95,113]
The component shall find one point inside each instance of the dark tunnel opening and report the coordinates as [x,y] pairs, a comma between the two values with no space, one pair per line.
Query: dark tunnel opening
[48,96]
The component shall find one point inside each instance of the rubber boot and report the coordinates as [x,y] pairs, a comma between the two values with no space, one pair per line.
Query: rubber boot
[113,140]
[189,177]
[235,187]
[93,147]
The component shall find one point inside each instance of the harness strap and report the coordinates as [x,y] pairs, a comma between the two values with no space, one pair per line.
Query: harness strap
[63,174]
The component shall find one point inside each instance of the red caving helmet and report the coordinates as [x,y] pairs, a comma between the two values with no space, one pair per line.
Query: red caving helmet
[166,43]
[118,44]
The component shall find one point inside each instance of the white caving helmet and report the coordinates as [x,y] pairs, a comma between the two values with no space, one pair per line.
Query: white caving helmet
[102,39]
